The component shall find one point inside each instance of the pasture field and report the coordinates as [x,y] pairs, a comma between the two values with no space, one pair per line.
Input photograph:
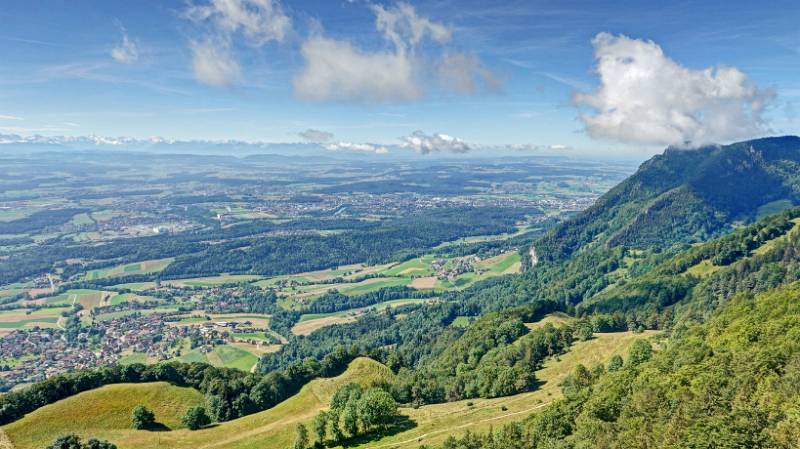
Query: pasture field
[234,357]
[135,357]
[501,264]
[199,317]
[305,293]
[213,281]
[110,413]
[485,238]
[258,349]
[309,326]
[129,297]
[121,313]
[312,321]
[420,266]
[11,320]
[773,207]
[146,267]
[705,268]
[136,286]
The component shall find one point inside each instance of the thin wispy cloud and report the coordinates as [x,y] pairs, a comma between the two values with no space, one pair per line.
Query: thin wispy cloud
[126,51]
[315,136]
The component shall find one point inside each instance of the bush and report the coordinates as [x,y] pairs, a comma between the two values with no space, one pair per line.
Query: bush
[195,418]
[73,442]
[142,418]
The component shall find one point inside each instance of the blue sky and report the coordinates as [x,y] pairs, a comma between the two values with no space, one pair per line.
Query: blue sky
[485,73]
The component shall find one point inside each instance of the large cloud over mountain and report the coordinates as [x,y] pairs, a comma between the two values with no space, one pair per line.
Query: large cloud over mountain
[647,98]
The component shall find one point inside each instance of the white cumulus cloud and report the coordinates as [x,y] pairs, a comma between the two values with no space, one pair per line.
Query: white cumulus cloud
[403,27]
[258,21]
[426,144]
[126,52]
[647,98]
[337,70]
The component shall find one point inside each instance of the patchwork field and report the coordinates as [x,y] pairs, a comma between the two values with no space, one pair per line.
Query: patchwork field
[11,320]
[312,321]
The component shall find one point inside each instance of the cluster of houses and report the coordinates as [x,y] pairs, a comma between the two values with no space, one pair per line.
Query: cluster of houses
[455,268]
[28,356]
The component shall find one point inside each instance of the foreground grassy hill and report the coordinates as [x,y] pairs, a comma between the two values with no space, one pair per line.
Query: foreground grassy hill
[106,410]
[105,413]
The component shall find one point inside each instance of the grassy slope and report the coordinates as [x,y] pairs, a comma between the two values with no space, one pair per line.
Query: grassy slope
[436,422]
[273,428]
[705,268]
[109,414]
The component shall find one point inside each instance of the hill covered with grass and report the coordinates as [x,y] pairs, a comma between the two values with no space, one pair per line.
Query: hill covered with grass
[104,413]
[105,410]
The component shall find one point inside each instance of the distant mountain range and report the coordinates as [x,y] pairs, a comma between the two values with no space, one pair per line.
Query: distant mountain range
[686,196]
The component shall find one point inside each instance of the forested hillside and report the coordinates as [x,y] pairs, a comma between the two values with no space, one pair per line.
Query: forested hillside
[728,383]
[685,196]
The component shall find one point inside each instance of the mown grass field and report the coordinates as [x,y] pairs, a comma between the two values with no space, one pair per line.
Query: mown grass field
[312,321]
[213,281]
[146,267]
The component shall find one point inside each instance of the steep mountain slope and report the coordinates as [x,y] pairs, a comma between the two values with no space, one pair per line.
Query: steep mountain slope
[728,383]
[685,196]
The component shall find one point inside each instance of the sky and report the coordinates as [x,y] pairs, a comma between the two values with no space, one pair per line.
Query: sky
[601,77]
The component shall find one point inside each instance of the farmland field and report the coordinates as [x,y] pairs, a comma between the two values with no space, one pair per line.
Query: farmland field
[146,267]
